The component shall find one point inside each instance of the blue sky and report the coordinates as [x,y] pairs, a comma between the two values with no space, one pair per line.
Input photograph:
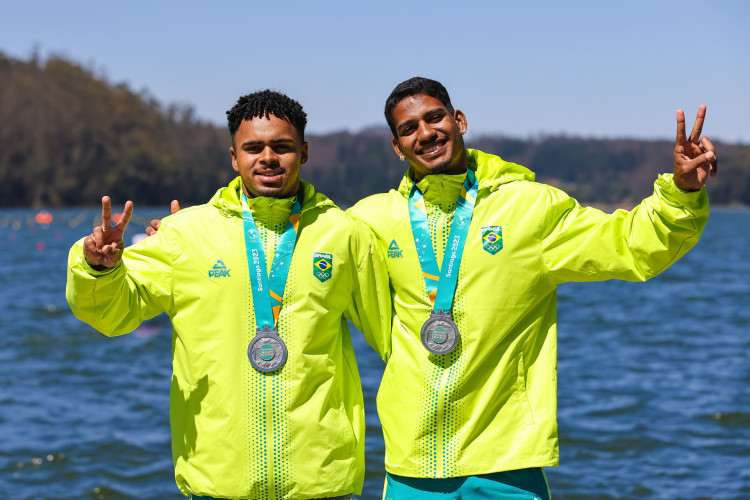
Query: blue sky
[523,69]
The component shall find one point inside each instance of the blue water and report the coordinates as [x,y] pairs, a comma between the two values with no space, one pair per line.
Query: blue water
[654,380]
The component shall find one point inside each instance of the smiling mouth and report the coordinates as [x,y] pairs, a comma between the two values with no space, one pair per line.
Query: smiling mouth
[433,148]
[270,175]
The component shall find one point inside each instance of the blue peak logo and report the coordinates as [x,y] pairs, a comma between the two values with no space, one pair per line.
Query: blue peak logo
[219,270]
[394,252]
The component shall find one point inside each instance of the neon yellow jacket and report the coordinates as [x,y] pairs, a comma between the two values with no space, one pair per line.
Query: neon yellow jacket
[236,432]
[490,405]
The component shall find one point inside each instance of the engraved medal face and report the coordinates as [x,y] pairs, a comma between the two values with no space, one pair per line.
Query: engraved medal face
[439,333]
[267,351]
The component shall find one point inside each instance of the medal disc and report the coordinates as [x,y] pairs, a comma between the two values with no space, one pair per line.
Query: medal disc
[267,351]
[439,333]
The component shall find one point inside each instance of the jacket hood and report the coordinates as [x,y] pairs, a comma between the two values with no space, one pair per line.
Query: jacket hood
[492,172]
[229,201]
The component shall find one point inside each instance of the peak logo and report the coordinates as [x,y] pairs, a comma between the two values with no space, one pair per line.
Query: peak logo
[394,252]
[219,270]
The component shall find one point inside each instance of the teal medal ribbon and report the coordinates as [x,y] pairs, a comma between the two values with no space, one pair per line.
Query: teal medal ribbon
[440,333]
[267,352]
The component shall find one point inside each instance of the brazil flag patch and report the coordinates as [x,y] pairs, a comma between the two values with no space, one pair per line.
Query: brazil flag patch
[322,266]
[492,239]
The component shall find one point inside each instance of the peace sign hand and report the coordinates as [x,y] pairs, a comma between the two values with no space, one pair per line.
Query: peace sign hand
[694,157]
[103,248]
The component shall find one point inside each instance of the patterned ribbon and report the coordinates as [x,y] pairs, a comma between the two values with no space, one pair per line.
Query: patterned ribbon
[441,283]
[267,299]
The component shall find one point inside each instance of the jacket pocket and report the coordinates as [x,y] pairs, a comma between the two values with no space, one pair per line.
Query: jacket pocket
[523,398]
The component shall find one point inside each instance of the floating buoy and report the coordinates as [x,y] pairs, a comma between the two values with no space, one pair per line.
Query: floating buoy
[116,217]
[40,246]
[43,218]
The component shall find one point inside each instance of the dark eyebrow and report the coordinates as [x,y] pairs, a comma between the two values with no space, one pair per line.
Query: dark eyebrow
[432,111]
[274,141]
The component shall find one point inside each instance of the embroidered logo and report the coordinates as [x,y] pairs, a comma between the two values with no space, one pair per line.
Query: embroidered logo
[322,266]
[394,252]
[219,270]
[492,239]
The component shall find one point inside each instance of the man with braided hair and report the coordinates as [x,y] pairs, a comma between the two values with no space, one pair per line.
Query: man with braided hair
[265,401]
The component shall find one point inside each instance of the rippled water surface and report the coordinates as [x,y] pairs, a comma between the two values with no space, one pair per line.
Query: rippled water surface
[654,380]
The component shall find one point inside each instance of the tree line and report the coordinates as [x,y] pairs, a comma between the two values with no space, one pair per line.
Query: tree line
[68,136]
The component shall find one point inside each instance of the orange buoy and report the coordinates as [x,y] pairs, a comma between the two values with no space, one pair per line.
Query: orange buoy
[43,218]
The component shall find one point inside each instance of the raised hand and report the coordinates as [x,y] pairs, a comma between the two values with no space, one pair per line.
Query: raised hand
[694,157]
[155,223]
[103,248]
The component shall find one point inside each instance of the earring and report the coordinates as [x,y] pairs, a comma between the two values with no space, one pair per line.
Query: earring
[463,131]
[402,158]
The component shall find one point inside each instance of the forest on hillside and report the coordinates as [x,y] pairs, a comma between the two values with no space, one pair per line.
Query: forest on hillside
[68,136]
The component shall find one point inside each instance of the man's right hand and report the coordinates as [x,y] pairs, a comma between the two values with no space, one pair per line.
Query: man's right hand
[103,248]
[155,223]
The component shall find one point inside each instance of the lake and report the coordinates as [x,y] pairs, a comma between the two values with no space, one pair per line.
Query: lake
[653,379]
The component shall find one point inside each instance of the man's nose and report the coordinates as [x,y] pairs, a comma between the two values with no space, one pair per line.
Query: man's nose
[268,156]
[425,132]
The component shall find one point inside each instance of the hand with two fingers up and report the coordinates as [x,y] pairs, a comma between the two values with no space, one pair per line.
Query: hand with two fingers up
[103,248]
[694,157]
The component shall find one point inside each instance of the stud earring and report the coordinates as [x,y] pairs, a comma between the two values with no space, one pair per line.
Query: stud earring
[402,158]
[463,131]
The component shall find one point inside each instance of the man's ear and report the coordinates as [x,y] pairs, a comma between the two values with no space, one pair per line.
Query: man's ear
[303,154]
[234,159]
[460,117]
[397,147]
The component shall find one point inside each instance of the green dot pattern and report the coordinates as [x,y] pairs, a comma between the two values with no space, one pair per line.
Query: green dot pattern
[270,472]
[440,419]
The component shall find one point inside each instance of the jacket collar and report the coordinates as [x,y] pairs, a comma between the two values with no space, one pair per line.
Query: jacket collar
[229,201]
[492,172]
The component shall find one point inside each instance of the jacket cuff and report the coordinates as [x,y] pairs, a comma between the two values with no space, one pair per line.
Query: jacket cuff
[696,199]
[86,267]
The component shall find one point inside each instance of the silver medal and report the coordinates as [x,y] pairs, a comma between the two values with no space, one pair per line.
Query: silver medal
[439,333]
[267,351]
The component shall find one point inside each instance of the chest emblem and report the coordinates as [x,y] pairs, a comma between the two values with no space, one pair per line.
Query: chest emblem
[394,252]
[322,266]
[219,270]
[492,239]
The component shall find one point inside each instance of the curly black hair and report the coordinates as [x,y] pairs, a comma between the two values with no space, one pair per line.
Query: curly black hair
[263,104]
[414,86]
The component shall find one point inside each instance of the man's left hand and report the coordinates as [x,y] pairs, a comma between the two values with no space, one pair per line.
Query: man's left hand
[156,223]
[694,157]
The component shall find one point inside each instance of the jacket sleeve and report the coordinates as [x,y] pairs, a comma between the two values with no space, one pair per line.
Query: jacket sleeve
[117,300]
[586,244]
[370,307]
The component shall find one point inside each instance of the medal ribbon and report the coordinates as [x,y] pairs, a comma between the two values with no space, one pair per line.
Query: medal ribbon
[268,290]
[441,283]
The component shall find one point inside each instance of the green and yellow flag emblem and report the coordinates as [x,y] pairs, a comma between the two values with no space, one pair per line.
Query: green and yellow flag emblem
[322,266]
[492,239]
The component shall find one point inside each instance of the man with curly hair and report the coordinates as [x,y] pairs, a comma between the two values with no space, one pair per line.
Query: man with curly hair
[265,401]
